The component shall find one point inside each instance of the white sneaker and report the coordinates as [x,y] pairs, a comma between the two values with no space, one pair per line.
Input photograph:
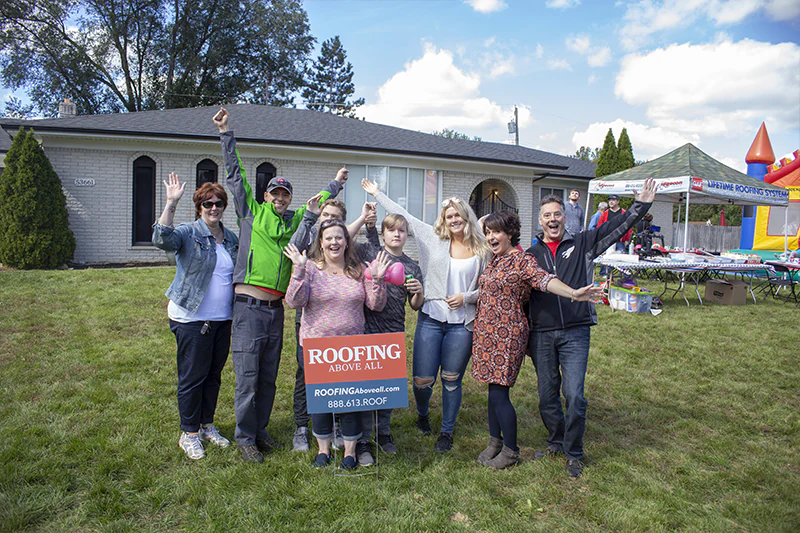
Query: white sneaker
[300,439]
[190,443]
[211,434]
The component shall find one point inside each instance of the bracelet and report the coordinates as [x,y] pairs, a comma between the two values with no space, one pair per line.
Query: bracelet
[572,296]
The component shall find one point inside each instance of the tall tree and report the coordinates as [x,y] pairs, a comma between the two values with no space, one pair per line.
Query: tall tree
[149,54]
[625,158]
[330,82]
[607,158]
[34,224]
[586,154]
[14,108]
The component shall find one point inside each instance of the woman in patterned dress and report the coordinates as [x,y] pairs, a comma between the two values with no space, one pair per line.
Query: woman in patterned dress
[501,328]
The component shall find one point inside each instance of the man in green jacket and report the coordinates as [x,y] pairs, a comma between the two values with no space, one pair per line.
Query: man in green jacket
[260,279]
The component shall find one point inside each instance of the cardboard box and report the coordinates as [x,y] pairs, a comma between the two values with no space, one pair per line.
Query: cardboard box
[726,292]
[631,301]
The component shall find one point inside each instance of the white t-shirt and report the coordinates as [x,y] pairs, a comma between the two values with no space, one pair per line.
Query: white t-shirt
[217,304]
[461,274]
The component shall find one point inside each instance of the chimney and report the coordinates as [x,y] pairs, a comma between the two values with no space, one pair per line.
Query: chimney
[67,109]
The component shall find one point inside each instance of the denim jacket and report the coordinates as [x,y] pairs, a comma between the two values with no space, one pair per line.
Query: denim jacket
[196,257]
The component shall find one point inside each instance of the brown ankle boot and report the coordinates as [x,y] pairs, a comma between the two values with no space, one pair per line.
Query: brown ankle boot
[507,457]
[491,451]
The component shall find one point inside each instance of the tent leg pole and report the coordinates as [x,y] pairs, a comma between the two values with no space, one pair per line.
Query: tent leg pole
[686,224]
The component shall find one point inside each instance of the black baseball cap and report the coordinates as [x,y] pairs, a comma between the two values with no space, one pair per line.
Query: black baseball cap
[279,182]
[610,196]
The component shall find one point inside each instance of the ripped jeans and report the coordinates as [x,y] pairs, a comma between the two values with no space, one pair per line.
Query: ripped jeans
[438,345]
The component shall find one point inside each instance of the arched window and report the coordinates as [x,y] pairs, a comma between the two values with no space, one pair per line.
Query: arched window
[144,200]
[206,172]
[264,173]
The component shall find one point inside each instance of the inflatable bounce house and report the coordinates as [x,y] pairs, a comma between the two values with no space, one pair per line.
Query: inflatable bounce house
[772,228]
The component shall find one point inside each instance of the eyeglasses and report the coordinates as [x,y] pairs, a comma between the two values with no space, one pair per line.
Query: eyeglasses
[453,199]
[327,223]
[219,204]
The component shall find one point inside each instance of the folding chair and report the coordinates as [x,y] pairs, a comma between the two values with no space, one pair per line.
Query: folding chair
[783,279]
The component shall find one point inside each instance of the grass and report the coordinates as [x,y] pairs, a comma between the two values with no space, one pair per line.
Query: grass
[692,426]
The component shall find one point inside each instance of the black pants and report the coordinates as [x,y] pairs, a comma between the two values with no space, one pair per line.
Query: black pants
[201,358]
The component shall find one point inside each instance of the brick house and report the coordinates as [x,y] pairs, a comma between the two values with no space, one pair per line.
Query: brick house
[111,168]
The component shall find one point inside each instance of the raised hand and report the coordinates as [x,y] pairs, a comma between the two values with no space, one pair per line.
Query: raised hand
[313,204]
[221,119]
[174,189]
[370,186]
[342,175]
[379,265]
[298,259]
[648,192]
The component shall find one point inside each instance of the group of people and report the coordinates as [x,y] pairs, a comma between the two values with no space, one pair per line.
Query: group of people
[470,289]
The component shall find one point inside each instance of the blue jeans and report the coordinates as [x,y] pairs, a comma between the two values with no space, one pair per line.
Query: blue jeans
[201,358]
[256,343]
[560,358]
[446,347]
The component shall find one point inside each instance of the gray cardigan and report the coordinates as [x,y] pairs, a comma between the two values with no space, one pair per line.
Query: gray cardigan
[434,259]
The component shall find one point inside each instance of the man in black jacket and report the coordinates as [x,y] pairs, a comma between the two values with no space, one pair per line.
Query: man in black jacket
[559,339]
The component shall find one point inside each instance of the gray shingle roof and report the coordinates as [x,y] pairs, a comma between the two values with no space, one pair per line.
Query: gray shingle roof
[279,125]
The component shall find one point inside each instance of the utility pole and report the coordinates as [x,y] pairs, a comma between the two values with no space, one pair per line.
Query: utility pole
[513,126]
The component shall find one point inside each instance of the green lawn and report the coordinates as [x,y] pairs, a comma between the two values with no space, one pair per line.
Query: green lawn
[692,426]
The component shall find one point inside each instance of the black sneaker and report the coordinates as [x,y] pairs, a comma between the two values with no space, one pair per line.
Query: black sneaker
[364,454]
[348,463]
[268,444]
[445,442]
[574,468]
[250,454]
[322,460]
[386,444]
[423,424]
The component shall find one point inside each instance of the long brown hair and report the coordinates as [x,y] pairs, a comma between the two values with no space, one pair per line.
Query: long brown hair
[352,264]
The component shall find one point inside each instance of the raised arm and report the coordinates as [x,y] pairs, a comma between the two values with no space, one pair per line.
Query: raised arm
[302,237]
[367,217]
[415,226]
[610,232]
[164,235]
[237,182]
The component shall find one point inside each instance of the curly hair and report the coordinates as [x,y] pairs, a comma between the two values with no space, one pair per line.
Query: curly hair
[352,263]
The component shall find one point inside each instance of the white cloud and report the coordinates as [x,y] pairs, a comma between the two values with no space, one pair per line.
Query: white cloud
[599,57]
[539,50]
[486,6]
[562,4]
[592,79]
[432,93]
[582,44]
[715,88]
[736,164]
[648,142]
[558,64]
[644,18]
[504,66]
[490,41]
[579,43]
[548,136]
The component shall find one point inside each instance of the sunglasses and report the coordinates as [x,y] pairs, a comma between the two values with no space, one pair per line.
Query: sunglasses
[330,222]
[453,199]
[219,204]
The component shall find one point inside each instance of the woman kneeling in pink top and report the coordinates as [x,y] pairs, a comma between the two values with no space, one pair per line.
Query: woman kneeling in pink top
[333,292]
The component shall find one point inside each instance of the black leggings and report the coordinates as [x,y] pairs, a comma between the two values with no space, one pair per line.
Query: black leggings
[502,416]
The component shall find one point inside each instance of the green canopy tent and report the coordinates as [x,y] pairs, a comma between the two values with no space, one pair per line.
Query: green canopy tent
[688,172]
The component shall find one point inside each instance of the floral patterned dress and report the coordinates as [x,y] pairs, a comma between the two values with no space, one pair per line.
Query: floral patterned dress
[501,327]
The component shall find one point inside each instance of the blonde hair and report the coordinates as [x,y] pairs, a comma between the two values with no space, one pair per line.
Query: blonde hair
[473,236]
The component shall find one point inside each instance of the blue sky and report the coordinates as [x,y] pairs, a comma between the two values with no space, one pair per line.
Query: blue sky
[673,71]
